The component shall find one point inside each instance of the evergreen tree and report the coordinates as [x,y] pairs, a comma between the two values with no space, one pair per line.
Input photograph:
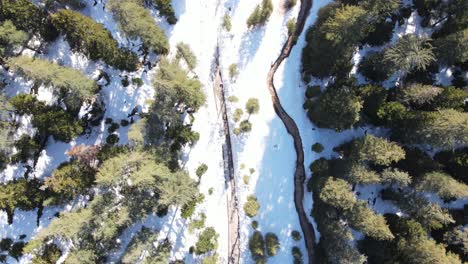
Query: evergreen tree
[337,193]
[336,108]
[419,94]
[453,49]
[377,150]
[69,83]
[260,14]
[165,9]
[371,224]
[137,22]
[10,38]
[184,51]
[444,185]
[70,179]
[87,36]
[395,176]
[410,52]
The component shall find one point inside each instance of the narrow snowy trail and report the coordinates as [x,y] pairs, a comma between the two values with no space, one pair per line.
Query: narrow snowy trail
[299,174]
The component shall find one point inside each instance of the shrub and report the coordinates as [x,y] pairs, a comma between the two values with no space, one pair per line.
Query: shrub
[296,235]
[197,223]
[207,241]
[313,91]
[113,127]
[27,147]
[210,191]
[252,106]
[17,250]
[124,122]
[272,244]
[254,224]
[257,246]
[5,244]
[125,82]
[260,14]
[108,120]
[112,139]
[166,10]
[201,170]
[233,71]
[246,179]
[227,22]
[297,255]
[210,259]
[252,206]
[138,82]
[50,254]
[237,115]
[291,26]
[245,126]
[317,147]
[233,99]
[252,170]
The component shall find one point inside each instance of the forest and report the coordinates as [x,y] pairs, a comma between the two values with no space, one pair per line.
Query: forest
[396,85]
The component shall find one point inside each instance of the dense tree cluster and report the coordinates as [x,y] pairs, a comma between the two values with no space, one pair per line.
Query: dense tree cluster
[91,38]
[401,91]
[260,14]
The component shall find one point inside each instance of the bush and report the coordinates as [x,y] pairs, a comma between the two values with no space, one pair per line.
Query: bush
[313,91]
[252,206]
[254,224]
[291,26]
[297,255]
[197,223]
[233,99]
[207,241]
[246,179]
[27,147]
[124,122]
[210,191]
[113,127]
[233,71]
[296,235]
[108,120]
[317,147]
[374,97]
[138,82]
[272,244]
[50,254]
[245,126]
[237,115]
[260,14]
[252,106]
[17,250]
[166,10]
[125,82]
[252,170]
[201,170]
[112,139]
[227,22]
[257,246]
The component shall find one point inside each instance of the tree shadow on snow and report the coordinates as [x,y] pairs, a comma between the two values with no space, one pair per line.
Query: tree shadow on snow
[251,41]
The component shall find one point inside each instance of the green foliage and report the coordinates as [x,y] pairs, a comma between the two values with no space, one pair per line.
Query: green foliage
[368,222]
[336,108]
[227,22]
[290,4]
[246,179]
[197,223]
[374,97]
[257,246]
[419,94]
[137,22]
[443,185]
[207,241]
[359,173]
[272,244]
[376,150]
[10,38]
[50,254]
[313,91]
[395,176]
[296,235]
[70,179]
[453,48]
[457,239]
[70,84]
[237,115]
[252,106]
[210,259]
[317,147]
[21,194]
[291,26]
[58,123]
[233,99]
[87,36]
[27,147]
[184,51]
[113,127]
[337,193]
[409,53]
[142,245]
[297,255]
[189,208]
[233,71]
[450,97]
[28,17]
[260,14]
[455,163]
[254,224]
[165,9]
[81,257]
[252,206]
[201,170]
[374,68]
[245,126]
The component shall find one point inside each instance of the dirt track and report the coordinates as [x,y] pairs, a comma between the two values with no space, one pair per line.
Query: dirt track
[291,127]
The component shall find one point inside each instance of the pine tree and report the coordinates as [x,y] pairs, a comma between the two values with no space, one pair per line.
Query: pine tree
[337,193]
[91,38]
[367,221]
[137,22]
[410,52]
[10,38]
[444,185]
[377,150]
